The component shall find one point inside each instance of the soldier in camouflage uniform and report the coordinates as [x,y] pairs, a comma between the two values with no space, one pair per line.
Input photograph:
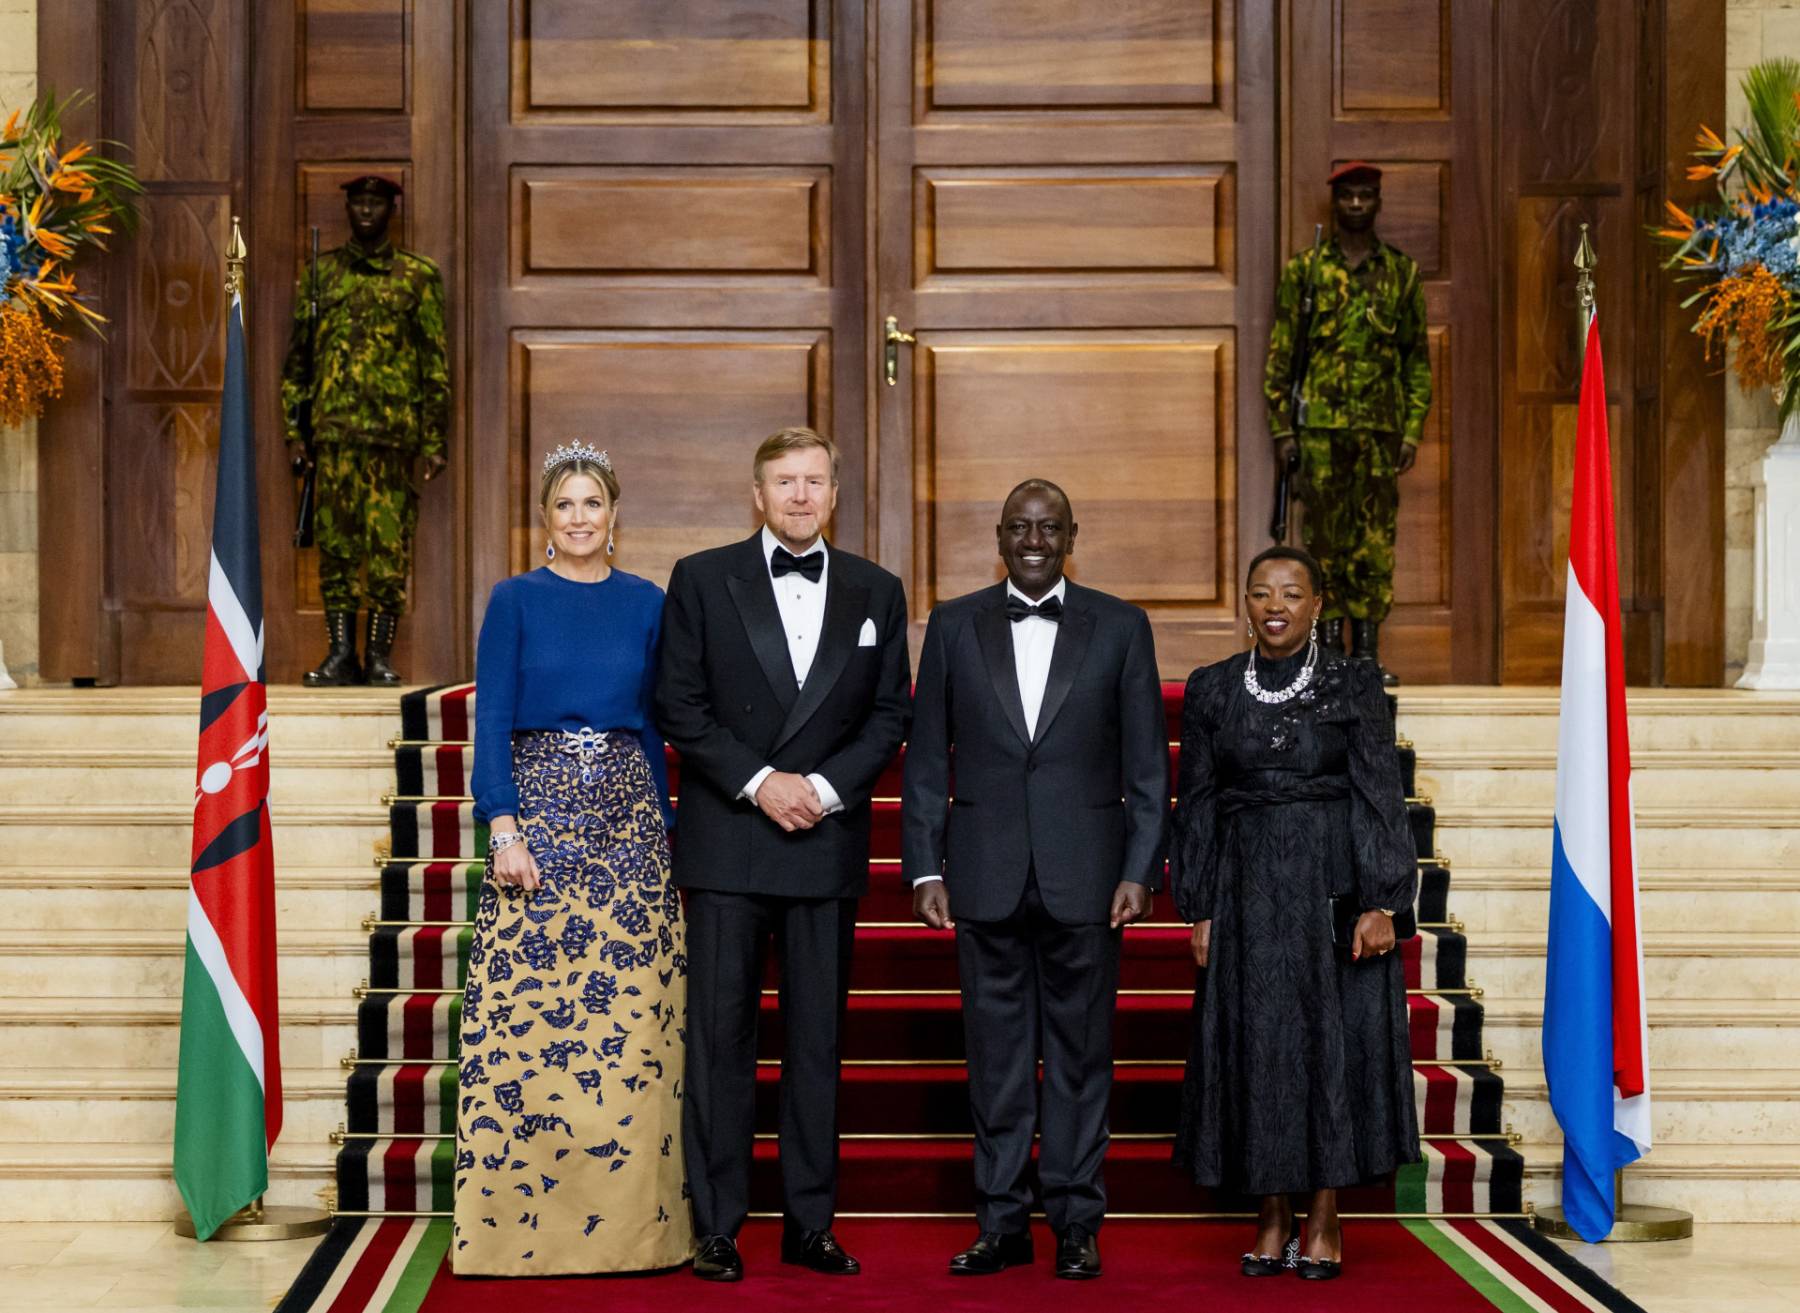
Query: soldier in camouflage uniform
[1363,400]
[376,371]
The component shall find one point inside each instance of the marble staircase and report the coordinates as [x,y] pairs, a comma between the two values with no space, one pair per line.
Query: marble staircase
[1716,781]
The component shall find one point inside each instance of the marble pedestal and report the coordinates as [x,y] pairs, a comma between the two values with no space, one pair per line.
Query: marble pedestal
[1774,659]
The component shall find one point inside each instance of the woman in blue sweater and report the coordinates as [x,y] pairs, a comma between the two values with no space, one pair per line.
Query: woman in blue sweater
[569,1123]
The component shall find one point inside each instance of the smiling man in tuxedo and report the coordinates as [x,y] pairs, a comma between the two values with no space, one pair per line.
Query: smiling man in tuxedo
[1048,844]
[783,683]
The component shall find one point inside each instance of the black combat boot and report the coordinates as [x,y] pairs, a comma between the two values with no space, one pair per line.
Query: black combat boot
[1366,634]
[339,666]
[1331,636]
[382,628]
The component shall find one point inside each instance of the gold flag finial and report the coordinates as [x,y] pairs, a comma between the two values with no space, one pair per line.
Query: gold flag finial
[235,255]
[1585,263]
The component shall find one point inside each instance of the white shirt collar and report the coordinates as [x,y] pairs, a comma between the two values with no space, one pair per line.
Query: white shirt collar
[770,542]
[1062,587]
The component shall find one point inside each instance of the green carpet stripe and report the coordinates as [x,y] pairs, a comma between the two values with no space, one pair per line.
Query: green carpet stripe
[443,1176]
[1410,1189]
[427,1258]
[221,1147]
[447,1088]
[1465,1265]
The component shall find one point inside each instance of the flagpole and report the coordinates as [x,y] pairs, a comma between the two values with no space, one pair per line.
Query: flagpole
[1631,1222]
[256,1220]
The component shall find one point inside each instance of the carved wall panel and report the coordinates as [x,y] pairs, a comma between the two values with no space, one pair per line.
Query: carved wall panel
[658,222]
[682,449]
[178,309]
[1149,221]
[1129,425]
[353,55]
[680,59]
[1064,54]
[185,74]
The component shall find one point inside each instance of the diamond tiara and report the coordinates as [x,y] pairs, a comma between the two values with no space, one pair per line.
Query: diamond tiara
[577,451]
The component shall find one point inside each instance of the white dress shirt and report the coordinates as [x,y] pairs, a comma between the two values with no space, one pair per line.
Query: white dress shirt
[1033,643]
[801,603]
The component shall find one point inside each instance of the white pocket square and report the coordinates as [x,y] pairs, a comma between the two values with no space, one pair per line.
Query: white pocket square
[867,637]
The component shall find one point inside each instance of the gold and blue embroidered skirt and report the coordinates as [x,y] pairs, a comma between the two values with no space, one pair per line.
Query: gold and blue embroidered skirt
[569,1117]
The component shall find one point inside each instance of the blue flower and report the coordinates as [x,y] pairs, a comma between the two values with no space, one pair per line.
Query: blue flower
[509,1097]
[578,934]
[537,950]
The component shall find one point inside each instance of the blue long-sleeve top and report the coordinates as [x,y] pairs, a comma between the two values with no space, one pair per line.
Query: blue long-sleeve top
[556,654]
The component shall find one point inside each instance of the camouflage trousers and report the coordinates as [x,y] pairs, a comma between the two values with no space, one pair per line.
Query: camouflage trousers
[363,518]
[1350,483]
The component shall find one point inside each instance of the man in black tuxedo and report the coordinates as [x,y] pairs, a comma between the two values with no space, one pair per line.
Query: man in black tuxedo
[784,685]
[1049,841]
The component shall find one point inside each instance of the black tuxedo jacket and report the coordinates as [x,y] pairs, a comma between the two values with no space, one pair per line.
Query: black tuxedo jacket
[1084,800]
[727,701]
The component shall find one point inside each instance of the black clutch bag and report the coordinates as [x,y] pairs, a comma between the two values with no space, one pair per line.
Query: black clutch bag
[1344,916]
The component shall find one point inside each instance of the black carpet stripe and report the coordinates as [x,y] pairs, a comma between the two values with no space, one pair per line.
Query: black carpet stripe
[322,1265]
[1577,1272]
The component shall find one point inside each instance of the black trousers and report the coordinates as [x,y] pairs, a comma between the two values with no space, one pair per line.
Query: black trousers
[1035,988]
[727,936]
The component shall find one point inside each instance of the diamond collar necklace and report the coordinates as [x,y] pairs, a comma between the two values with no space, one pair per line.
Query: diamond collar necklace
[1293,690]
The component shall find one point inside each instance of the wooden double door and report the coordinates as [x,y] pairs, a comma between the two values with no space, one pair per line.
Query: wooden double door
[691,224]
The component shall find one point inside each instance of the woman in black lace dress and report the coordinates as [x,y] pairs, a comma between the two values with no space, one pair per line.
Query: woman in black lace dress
[1290,833]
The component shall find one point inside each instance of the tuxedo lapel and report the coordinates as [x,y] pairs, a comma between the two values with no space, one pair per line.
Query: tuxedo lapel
[993,631]
[845,607]
[1072,636]
[754,596]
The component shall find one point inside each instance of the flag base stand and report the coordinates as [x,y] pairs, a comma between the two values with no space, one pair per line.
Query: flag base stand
[1632,1222]
[260,1221]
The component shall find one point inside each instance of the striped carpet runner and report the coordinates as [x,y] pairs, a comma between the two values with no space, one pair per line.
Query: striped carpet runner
[905,1111]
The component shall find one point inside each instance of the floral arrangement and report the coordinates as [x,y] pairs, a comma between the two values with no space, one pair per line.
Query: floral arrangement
[53,202]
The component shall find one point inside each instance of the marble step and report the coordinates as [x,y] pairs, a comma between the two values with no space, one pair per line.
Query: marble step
[132,1180]
[1696,900]
[57,778]
[1658,779]
[1676,966]
[56,1031]
[161,834]
[169,718]
[1449,719]
[100,898]
[113,1103]
[1688,1106]
[1757,1182]
[150,962]
[1719,1034]
[1754,838]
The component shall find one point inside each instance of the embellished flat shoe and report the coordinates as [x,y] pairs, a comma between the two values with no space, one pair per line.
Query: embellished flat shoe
[1319,1269]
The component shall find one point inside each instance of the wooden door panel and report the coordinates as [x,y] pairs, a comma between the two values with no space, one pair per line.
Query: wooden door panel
[354,55]
[679,415]
[1131,427]
[1071,222]
[694,222]
[1055,54]
[686,59]
[1392,57]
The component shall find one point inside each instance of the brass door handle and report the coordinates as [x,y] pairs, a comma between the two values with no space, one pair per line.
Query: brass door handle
[893,338]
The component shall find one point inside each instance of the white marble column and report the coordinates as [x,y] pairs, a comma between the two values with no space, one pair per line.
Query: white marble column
[1774,660]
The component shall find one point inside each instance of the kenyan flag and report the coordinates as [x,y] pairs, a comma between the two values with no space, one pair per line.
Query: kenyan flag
[228,1098]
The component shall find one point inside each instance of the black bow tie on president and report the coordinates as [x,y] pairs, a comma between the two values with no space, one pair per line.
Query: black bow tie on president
[784,562]
[1017,608]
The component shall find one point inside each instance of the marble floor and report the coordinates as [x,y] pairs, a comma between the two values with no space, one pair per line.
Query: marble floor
[49,1267]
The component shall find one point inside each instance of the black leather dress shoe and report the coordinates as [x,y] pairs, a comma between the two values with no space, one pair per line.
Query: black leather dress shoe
[1077,1254]
[718,1259]
[993,1251]
[818,1251]
[1320,1269]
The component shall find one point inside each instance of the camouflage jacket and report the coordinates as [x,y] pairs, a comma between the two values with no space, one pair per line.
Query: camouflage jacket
[1369,367]
[380,374]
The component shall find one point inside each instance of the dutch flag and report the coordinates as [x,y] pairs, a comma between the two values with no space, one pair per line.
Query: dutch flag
[1595,1040]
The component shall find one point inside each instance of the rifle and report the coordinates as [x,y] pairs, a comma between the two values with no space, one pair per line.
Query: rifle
[306,468]
[1298,361]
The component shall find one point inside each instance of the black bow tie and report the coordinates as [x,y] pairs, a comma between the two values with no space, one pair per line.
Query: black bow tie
[812,565]
[1017,608]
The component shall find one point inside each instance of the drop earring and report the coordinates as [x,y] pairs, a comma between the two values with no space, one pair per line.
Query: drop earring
[1315,631]
[609,543]
[549,551]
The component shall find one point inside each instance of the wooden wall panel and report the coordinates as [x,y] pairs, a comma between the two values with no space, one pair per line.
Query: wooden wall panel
[697,222]
[354,55]
[1415,213]
[1050,54]
[1132,427]
[671,57]
[1072,221]
[179,304]
[1422,568]
[1392,57]
[682,452]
